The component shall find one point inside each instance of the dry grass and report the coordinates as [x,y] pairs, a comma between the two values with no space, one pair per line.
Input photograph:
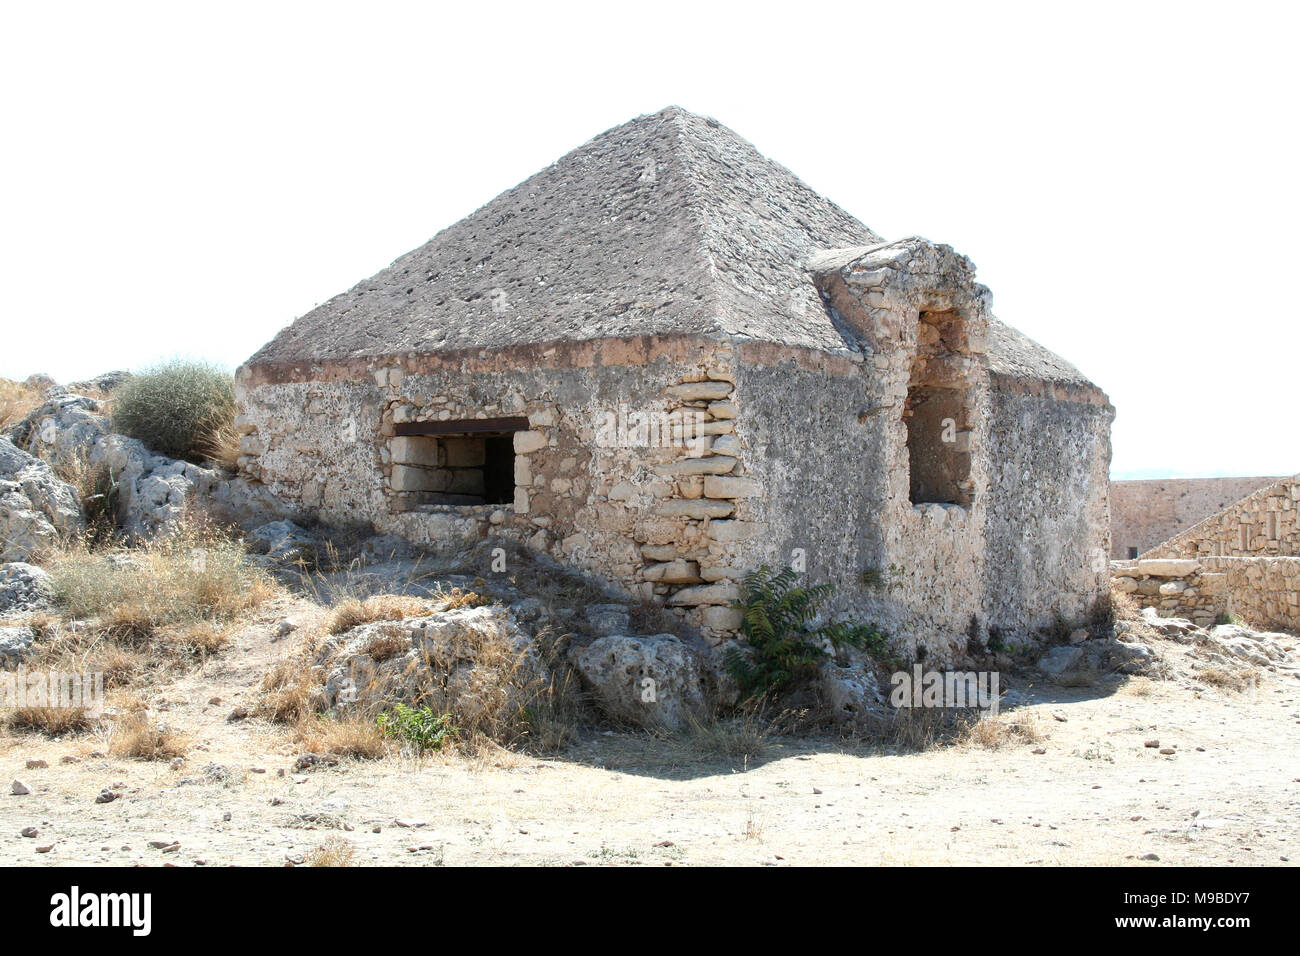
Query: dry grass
[50,721]
[741,736]
[456,598]
[355,736]
[16,400]
[137,737]
[381,607]
[97,492]
[333,852]
[995,731]
[287,691]
[386,646]
[221,447]
[148,611]
[496,694]
[1236,679]
[196,572]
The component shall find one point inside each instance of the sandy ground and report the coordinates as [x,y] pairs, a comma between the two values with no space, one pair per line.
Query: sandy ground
[1097,795]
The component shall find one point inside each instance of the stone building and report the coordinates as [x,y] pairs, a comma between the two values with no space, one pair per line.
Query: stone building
[1147,512]
[668,361]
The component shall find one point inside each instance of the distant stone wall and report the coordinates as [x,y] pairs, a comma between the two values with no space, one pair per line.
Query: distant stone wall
[1146,513]
[1263,592]
[1265,523]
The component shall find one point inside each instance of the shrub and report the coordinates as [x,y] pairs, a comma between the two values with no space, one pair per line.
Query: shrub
[419,726]
[784,648]
[180,408]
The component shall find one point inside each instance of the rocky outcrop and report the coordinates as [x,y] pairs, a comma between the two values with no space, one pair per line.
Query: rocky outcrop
[36,507]
[474,662]
[646,681]
[153,491]
[15,644]
[24,587]
[1099,655]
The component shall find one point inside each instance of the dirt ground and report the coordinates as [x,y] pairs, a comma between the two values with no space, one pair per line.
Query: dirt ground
[1095,795]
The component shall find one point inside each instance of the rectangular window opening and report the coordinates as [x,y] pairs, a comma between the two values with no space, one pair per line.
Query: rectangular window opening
[938,413]
[467,462]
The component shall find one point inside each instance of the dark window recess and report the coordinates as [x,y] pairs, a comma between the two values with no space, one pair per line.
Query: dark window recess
[454,463]
[1132,553]
[938,412]
[937,457]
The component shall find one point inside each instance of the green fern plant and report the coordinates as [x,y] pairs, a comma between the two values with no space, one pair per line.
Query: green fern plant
[784,648]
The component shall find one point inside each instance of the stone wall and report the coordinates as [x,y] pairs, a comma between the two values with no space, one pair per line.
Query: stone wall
[1265,523]
[1263,592]
[1146,513]
[629,466]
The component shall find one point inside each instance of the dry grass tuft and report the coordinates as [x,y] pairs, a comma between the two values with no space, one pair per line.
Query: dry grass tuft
[146,612]
[50,721]
[742,736]
[16,400]
[137,737]
[386,646]
[355,736]
[1236,679]
[221,447]
[457,598]
[382,607]
[995,731]
[287,691]
[333,852]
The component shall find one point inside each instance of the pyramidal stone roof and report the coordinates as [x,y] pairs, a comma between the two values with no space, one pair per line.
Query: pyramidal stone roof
[669,224]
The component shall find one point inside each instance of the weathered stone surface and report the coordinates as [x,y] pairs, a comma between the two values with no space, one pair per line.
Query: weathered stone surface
[283,542]
[700,391]
[1059,661]
[24,587]
[674,572]
[528,442]
[648,681]
[607,618]
[36,508]
[726,486]
[713,465]
[1166,567]
[720,593]
[15,644]
[695,508]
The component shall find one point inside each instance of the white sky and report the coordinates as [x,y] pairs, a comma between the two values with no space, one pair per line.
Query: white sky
[185,182]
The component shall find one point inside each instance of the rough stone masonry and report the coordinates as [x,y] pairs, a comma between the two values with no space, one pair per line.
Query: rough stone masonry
[665,360]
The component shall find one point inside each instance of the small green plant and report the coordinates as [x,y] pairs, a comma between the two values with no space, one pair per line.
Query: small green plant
[180,408]
[887,579]
[418,726]
[784,647]
[1223,617]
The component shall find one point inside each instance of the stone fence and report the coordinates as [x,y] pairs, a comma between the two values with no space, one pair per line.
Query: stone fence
[1263,592]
